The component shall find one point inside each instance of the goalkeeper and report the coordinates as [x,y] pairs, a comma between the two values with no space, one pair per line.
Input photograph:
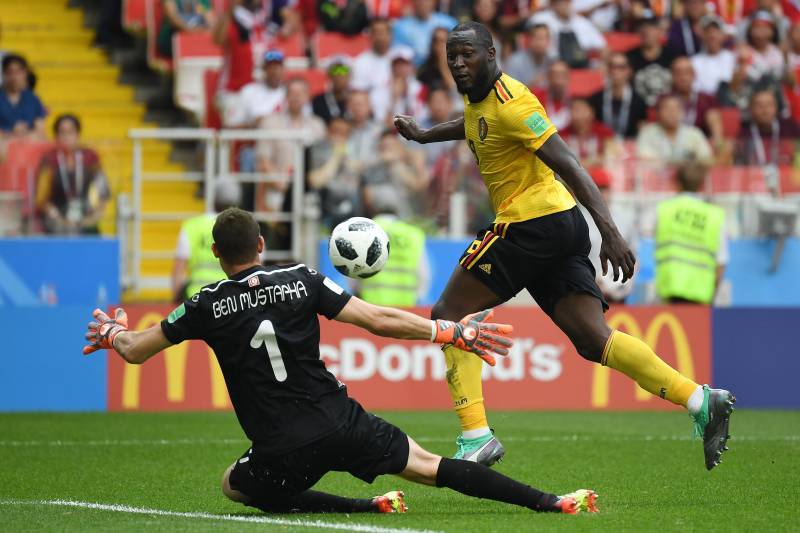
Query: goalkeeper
[264,329]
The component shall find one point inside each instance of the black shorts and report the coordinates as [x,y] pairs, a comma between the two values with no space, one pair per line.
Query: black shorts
[365,446]
[548,256]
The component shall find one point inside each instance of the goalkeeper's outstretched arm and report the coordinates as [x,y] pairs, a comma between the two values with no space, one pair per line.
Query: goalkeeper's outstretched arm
[471,334]
[136,347]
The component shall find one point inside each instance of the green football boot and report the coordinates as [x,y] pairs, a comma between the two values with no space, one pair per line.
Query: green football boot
[485,450]
[712,423]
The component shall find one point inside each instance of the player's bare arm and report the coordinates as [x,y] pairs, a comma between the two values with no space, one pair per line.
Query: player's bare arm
[446,131]
[136,347]
[557,155]
[472,333]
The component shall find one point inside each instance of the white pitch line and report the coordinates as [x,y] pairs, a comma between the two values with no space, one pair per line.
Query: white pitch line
[241,442]
[116,508]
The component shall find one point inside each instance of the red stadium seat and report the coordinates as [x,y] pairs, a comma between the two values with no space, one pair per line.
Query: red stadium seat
[316,79]
[585,82]
[210,82]
[294,48]
[195,44]
[134,17]
[330,44]
[18,170]
[731,121]
[617,41]
[154,14]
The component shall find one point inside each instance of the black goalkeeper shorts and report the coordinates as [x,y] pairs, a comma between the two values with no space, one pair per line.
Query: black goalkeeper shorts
[548,256]
[365,446]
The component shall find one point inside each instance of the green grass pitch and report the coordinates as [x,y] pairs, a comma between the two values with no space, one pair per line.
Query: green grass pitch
[649,474]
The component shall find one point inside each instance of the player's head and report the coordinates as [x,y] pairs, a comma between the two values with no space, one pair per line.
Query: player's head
[237,239]
[471,56]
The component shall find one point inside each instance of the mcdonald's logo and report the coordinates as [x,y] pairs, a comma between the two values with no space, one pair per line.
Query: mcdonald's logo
[176,368]
[664,320]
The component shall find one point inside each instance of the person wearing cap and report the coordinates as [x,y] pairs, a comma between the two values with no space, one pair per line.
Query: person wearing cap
[195,264]
[651,60]
[405,90]
[245,107]
[683,37]
[715,61]
[333,102]
[761,57]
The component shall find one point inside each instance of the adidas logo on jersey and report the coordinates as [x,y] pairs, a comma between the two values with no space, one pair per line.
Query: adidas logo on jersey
[486,267]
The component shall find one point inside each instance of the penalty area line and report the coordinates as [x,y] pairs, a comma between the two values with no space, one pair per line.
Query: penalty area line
[253,519]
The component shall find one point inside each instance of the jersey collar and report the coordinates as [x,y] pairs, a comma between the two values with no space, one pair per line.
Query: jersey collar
[246,272]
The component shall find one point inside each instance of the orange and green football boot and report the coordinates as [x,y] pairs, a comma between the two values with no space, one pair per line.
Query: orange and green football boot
[582,500]
[391,502]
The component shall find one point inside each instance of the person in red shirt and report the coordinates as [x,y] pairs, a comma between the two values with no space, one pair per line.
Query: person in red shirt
[702,109]
[590,139]
[555,97]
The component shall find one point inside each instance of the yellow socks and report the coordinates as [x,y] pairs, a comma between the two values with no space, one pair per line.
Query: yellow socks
[639,362]
[466,388]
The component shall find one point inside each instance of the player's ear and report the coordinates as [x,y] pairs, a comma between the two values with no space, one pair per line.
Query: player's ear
[491,53]
[214,250]
[260,244]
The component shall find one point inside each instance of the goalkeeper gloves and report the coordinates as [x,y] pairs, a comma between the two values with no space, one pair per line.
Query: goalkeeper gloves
[472,334]
[102,333]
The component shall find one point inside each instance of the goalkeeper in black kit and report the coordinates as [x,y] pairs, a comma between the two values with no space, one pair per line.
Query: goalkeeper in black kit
[263,326]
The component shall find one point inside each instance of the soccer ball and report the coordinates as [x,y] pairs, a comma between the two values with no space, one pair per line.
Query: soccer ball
[359,248]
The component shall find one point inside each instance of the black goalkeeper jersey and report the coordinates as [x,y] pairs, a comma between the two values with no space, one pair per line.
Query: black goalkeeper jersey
[263,326]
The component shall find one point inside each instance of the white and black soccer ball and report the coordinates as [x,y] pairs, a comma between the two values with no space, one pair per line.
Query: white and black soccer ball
[359,248]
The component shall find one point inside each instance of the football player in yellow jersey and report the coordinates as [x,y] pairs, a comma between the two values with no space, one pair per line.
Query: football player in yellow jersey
[540,242]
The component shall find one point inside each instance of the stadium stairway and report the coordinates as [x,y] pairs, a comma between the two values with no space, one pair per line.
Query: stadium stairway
[74,77]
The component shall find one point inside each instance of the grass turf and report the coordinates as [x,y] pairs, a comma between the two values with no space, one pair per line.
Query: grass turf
[649,474]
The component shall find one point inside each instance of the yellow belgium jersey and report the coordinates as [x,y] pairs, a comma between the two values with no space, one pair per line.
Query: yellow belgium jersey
[504,130]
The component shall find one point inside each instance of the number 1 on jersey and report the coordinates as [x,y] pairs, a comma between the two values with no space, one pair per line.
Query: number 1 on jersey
[265,334]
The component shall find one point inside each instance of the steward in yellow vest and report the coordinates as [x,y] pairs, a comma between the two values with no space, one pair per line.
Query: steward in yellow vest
[691,248]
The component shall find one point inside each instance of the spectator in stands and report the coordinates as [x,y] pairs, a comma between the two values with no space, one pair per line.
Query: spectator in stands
[21,111]
[72,190]
[485,12]
[416,30]
[335,174]
[530,65]
[372,69]
[406,96]
[760,63]
[434,72]
[555,95]
[684,33]
[398,175]
[278,156]
[651,60]
[259,99]
[669,139]
[195,265]
[766,140]
[179,16]
[617,105]
[232,31]
[591,140]
[387,9]
[714,61]
[364,130]
[333,102]
[440,109]
[701,109]
[348,17]
[573,37]
[793,50]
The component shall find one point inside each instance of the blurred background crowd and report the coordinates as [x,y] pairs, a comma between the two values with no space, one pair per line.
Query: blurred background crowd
[641,91]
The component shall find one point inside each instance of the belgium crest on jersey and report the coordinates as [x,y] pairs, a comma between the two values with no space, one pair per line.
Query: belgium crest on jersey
[483,129]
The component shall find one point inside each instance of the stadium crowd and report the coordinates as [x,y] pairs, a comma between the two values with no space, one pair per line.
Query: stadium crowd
[714,82]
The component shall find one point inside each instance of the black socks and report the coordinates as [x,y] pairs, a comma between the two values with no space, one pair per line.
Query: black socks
[312,501]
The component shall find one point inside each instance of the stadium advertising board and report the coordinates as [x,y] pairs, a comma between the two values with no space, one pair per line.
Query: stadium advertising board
[542,372]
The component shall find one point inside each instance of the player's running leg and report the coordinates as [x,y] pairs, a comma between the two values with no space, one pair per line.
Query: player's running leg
[482,482]
[312,501]
[580,317]
[465,294]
